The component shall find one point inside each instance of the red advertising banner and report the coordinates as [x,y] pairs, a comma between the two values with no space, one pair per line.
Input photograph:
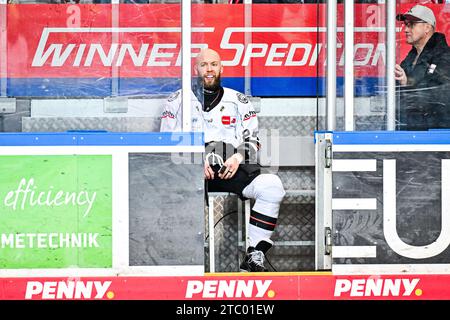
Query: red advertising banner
[295,286]
[279,45]
[83,41]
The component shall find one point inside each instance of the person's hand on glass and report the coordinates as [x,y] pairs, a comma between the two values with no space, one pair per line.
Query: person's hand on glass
[400,75]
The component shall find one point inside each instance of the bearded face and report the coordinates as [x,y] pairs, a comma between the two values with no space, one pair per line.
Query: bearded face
[211,82]
[209,69]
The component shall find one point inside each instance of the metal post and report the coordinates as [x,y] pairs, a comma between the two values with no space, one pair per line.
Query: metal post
[331,64]
[186,63]
[323,218]
[115,39]
[349,76]
[390,63]
[247,210]
[248,39]
[212,261]
[115,103]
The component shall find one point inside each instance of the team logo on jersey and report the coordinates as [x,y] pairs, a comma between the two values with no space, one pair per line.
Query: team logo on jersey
[167,114]
[249,115]
[227,120]
[242,98]
[173,96]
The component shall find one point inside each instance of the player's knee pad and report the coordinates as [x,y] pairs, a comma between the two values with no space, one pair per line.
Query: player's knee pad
[269,188]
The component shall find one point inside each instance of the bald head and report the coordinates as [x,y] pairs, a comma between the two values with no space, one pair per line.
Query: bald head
[207,55]
[208,67]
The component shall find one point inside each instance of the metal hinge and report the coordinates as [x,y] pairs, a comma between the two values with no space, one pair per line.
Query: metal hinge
[328,154]
[327,241]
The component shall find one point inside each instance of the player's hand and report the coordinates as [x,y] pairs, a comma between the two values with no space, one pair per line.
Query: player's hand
[400,75]
[232,165]
[209,173]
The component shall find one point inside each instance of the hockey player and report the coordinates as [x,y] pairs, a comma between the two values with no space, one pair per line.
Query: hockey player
[230,128]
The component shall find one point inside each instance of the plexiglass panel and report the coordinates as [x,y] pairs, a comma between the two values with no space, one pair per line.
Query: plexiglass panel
[369,54]
[423,66]
[421,101]
[273,59]
[88,66]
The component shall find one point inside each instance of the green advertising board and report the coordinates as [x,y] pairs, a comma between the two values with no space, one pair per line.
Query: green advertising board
[56,211]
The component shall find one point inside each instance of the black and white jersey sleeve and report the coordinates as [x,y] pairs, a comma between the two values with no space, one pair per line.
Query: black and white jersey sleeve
[171,117]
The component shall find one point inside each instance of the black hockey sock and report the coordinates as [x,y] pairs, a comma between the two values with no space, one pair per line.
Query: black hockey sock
[263,246]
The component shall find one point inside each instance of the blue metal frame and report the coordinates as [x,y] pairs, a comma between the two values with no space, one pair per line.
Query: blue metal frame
[392,137]
[102,138]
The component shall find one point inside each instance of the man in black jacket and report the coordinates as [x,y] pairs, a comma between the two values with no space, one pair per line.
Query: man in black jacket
[424,75]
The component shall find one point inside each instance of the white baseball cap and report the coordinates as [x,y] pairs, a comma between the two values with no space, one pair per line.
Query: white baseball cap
[418,13]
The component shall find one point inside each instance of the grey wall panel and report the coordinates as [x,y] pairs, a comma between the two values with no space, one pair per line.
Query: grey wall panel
[418,206]
[166,211]
[12,122]
[113,124]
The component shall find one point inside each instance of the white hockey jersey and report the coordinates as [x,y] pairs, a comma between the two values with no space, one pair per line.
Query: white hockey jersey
[232,120]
